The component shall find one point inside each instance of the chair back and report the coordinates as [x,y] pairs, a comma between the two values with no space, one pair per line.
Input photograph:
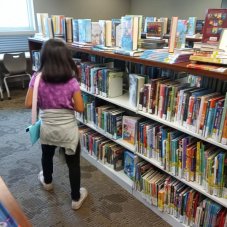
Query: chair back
[15,63]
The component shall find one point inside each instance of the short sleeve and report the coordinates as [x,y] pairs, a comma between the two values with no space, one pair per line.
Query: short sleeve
[32,81]
[75,85]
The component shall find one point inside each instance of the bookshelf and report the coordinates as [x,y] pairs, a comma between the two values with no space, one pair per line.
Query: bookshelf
[123,102]
[35,44]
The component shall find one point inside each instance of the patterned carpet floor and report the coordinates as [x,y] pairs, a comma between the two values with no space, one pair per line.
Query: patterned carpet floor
[107,203]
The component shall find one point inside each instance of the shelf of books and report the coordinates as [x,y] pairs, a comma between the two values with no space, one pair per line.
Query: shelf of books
[123,101]
[182,129]
[170,219]
[118,176]
[156,163]
[165,139]
[119,141]
[193,185]
[181,67]
[35,44]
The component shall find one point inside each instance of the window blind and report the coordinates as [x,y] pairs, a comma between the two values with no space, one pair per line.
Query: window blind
[13,43]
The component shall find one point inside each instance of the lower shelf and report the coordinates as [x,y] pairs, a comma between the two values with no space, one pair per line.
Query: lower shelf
[120,178]
[117,176]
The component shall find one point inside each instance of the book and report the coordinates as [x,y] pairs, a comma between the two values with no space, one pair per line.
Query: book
[181,33]
[215,21]
[95,33]
[69,29]
[129,129]
[84,26]
[129,29]
[41,18]
[223,41]
[136,83]
[108,33]
[115,84]
[118,36]
[154,29]
[115,24]
[191,26]
[75,30]
[49,30]
[133,53]
[173,33]
[165,24]
[146,21]
[129,164]
[58,25]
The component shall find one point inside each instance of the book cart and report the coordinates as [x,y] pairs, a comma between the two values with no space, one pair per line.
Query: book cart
[123,101]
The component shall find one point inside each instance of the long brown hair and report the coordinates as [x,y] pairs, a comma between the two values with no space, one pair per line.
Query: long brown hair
[56,62]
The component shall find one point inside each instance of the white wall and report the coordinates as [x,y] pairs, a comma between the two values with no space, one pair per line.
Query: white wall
[94,9]
[168,8]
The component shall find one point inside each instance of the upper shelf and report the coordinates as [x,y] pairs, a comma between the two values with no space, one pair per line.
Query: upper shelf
[182,67]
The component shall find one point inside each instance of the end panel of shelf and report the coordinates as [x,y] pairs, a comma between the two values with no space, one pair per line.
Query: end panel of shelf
[118,176]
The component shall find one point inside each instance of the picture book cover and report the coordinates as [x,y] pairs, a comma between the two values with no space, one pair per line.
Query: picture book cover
[129,164]
[191,26]
[147,20]
[75,30]
[216,20]
[181,33]
[84,26]
[95,33]
[102,24]
[129,29]
[129,129]
[6,220]
[199,26]
[154,29]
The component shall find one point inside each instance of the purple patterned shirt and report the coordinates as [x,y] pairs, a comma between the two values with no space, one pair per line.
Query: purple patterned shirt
[56,96]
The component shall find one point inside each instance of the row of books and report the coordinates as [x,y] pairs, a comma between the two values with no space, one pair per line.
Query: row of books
[184,156]
[157,188]
[175,198]
[215,57]
[106,151]
[107,34]
[161,26]
[101,79]
[110,120]
[201,110]
[179,154]
[163,55]
[124,32]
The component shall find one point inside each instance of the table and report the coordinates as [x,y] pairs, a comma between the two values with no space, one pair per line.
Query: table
[12,206]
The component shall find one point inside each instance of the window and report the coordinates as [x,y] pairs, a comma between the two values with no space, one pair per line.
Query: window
[16,24]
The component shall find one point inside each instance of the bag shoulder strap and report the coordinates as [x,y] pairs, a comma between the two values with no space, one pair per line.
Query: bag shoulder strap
[35,97]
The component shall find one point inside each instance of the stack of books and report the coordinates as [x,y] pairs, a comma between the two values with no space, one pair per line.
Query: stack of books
[162,55]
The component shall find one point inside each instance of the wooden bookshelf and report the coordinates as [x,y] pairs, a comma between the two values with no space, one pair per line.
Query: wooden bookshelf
[35,44]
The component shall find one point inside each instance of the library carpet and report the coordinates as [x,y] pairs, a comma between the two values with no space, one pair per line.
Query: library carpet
[107,203]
